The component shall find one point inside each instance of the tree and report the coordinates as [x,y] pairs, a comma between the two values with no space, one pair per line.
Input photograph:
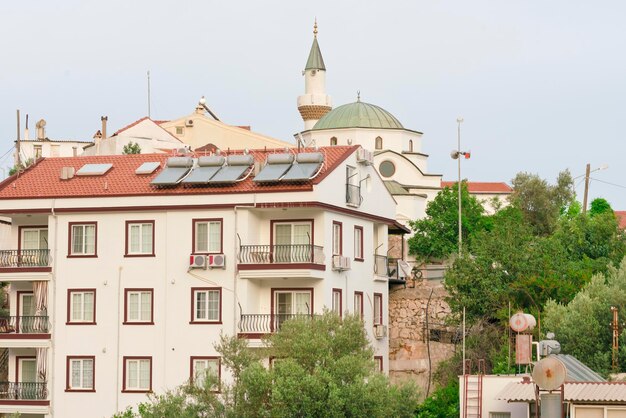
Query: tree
[436,236]
[600,206]
[131,148]
[323,366]
[582,326]
[541,202]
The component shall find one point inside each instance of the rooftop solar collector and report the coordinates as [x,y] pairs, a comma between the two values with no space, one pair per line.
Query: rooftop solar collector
[236,166]
[176,169]
[276,165]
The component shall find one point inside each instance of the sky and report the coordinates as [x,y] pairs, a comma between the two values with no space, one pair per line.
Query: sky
[541,86]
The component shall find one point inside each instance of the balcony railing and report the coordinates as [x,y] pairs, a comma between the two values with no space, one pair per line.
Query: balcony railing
[23,391]
[24,325]
[265,323]
[353,195]
[24,258]
[281,254]
[381,265]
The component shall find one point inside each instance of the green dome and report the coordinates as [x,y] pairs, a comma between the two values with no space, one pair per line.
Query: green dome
[358,115]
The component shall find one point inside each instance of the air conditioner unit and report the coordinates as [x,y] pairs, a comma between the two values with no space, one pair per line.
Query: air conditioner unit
[341,263]
[380,331]
[364,156]
[217,261]
[197,261]
[189,123]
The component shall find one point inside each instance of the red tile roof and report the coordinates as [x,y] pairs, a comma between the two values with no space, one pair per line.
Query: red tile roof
[621,218]
[482,187]
[42,180]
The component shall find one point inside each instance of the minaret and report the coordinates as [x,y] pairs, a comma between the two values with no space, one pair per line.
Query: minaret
[314,103]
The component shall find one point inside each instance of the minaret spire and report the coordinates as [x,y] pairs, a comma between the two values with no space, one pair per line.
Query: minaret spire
[314,103]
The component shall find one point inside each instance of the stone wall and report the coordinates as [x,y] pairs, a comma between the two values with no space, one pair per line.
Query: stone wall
[412,351]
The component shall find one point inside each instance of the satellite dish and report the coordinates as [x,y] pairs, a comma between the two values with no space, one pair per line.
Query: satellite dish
[454,154]
[549,373]
[520,322]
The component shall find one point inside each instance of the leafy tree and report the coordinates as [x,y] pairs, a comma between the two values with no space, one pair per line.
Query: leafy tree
[323,367]
[131,148]
[541,202]
[437,235]
[444,403]
[600,206]
[582,326]
[21,166]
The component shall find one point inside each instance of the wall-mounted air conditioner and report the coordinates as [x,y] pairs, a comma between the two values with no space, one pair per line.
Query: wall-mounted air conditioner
[364,156]
[341,263]
[189,123]
[197,261]
[380,331]
[217,261]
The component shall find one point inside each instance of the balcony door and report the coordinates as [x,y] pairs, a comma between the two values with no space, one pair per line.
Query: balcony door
[25,312]
[291,303]
[292,242]
[33,242]
[26,378]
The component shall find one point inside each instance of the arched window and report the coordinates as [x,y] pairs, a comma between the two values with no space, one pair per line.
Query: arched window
[410,145]
[379,143]
[333,140]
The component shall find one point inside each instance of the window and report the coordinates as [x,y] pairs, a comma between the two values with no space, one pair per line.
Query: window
[37,151]
[79,376]
[379,363]
[180,130]
[337,302]
[337,238]
[358,304]
[410,145]
[207,236]
[508,414]
[202,367]
[378,308]
[137,374]
[333,140]
[358,243]
[206,305]
[83,239]
[139,238]
[291,242]
[138,306]
[378,143]
[288,303]
[387,169]
[81,306]
[34,238]
[55,150]
[353,190]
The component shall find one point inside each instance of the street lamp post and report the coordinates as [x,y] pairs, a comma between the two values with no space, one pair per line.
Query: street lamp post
[588,171]
[456,154]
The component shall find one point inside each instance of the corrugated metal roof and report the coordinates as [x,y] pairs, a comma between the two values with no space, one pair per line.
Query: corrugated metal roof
[577,371]
[574,392]
[596,392]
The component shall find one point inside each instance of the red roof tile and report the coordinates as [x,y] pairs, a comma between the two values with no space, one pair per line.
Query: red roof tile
[482,187]
[42,180]
[621,218]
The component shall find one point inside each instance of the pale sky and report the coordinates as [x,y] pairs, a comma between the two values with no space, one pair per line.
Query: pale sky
[541,84]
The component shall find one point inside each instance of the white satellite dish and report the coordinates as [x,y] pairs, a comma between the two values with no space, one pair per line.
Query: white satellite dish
[549,373]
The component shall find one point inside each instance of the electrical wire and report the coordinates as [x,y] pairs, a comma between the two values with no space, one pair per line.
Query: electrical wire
[609,183]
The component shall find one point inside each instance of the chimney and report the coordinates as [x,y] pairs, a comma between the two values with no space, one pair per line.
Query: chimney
[41,130]
[104,120]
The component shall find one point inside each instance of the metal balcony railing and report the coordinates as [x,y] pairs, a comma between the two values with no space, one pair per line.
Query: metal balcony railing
[277,254]
[24,258]
[381,265]
[265,323]
[353,195]
[23,390]
[24,325]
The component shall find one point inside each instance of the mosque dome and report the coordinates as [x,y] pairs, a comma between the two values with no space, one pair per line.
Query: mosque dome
[358,115]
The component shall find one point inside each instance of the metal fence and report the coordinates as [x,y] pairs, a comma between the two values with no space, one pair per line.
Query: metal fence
[271,254]
[24,258]
[265,323]
[24,390]
[24,324]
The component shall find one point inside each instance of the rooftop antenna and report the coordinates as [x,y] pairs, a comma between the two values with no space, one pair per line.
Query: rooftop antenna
[17,143]
[148,93]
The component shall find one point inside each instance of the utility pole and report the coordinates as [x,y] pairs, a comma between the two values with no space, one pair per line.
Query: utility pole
[615,348]
[459,121]
[587,172]
[18,160]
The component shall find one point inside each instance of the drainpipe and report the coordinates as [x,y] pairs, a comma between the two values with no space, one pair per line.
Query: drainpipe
[117,352]
[52,363]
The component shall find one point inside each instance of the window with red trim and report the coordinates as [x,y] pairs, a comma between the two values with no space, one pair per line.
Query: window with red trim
[358,243]
[137,374]
[378,308]
[337,308]
[80,374]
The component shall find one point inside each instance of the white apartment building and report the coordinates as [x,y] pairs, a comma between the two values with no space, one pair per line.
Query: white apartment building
[122,270]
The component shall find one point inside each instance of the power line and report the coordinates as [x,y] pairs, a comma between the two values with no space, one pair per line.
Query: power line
[611,184]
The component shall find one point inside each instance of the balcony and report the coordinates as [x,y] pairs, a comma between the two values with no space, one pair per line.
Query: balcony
[271,261]
[258,325]
[15,329]
[24,398]
[25,265]
[390,269]
[353,195]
